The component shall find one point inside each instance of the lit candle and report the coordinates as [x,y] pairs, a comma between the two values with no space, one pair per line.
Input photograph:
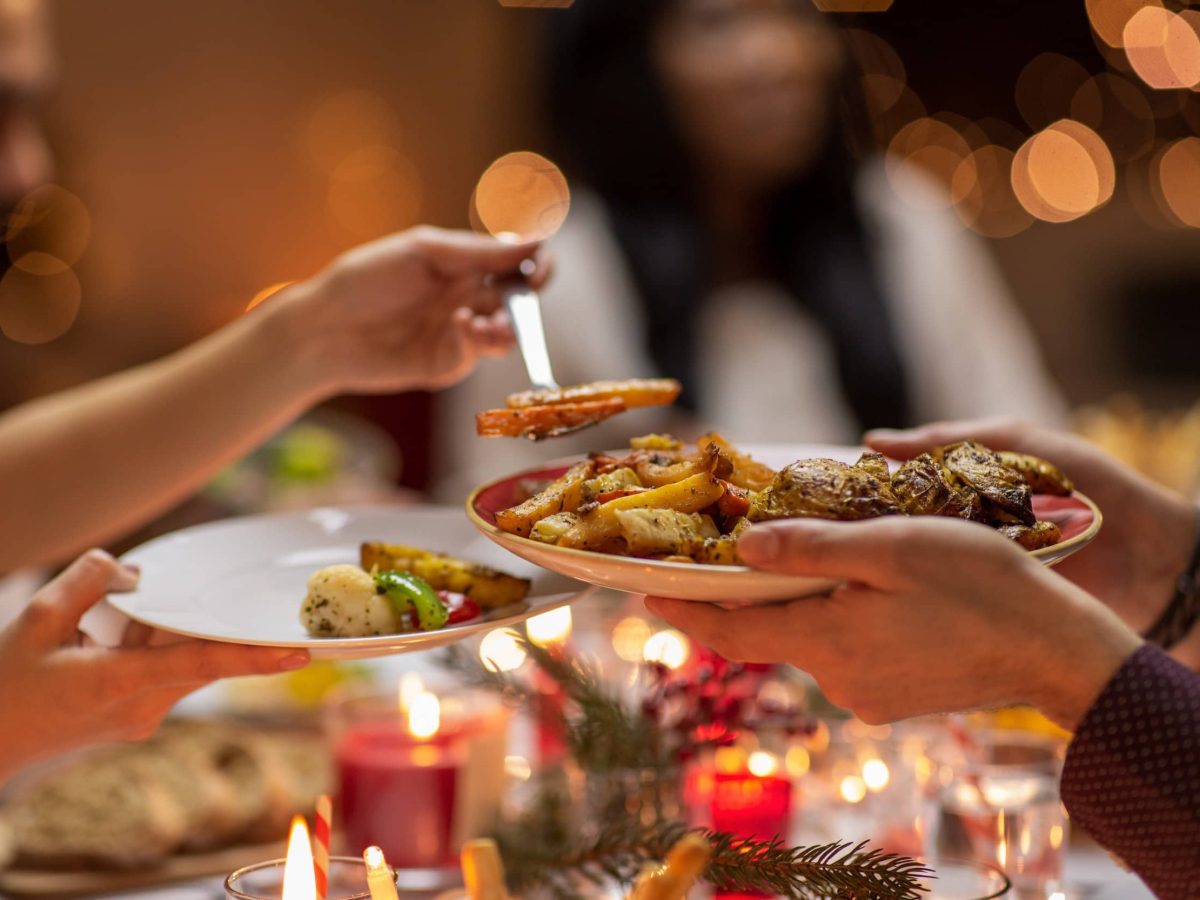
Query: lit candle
[418,784]
[744,794]
[299,876]
[380,880]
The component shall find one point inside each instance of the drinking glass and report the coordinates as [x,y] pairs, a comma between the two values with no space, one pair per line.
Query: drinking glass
[996,802]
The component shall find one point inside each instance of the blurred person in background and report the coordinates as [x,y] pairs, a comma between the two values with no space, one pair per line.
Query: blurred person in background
[723,233]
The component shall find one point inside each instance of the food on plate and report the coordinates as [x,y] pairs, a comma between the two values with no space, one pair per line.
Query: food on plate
[485,586]
[539,422]
[399,589]
[662,500]
[552,413]
[194,786]
[633,393]
[827,489]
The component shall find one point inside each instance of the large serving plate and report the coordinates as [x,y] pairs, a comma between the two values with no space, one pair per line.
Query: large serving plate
[1077,516]
[242,580]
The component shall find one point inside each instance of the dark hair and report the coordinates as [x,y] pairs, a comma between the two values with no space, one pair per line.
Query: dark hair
[614,132]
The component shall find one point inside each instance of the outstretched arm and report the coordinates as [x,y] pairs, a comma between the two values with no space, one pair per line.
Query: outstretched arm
[411,311]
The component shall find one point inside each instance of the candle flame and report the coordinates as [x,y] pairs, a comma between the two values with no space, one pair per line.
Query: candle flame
[411,687]
[668,647]
[762,763]
[424,716]
[552,627]
[299,876]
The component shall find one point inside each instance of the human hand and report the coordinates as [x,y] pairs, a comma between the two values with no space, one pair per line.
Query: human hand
[1148,531]
[415,310]
[935,615]
[57,694]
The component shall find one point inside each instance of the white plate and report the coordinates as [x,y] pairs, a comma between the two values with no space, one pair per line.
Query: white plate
[242,580]
[733,585]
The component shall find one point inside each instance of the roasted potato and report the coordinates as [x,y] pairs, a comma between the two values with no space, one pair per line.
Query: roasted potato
[599,528]
[563,495]
[633,393]
[1044,477]
[487,587]
[652,531]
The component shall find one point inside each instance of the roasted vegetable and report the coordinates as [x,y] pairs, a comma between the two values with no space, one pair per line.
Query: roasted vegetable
[413,594]
[651,531]
[633,393]
[538,422]
[487,587]
[1006,495]
[1044,477]
[563,495]
[823,489]
[599,528]
[616,480]
[747,473]
[1033,537]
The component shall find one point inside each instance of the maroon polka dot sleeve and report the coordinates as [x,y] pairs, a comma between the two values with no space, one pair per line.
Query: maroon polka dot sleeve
[1132,774]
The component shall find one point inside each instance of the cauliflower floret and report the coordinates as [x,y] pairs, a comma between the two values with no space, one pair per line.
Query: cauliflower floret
[342,601]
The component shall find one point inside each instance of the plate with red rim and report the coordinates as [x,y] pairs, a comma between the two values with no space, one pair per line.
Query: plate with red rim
[242,580]
[1077,516]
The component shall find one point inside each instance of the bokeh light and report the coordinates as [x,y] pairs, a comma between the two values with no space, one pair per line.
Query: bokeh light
[1109,17]
[1046,86]
[1178,179]
[36,309]
[500,652]
[667,647]
[346,122]
[987,203]
[1063,172]
[1163,48]
[48,222]
[934,147]
[375,190]
[1116,109]
[524,194]
[629,638]
[553,627]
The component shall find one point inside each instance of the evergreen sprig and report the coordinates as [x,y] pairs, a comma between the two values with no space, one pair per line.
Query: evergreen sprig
[543,850]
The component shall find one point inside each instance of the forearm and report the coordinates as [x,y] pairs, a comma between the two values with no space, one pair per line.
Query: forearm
[1131,778]
[83,466]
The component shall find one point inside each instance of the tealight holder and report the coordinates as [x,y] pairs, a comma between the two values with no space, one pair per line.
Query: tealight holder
[264,881]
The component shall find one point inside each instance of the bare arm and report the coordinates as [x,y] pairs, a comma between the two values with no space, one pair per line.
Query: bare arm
[85,465]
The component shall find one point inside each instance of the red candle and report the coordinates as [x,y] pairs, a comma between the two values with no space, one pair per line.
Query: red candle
[417,786]
[399,793]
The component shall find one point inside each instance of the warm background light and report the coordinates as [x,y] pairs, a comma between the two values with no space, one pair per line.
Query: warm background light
[500,652]
[1178,170]
[1063,172]
[1109,17]
[762,764]
[36,309]
[1163,48]
[668,647]
[549,628]
[524,194]
[853,789]
[629,638]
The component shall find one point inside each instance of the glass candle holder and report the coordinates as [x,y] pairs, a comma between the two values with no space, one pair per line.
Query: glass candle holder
[264,881]
[960,879]
[418,796]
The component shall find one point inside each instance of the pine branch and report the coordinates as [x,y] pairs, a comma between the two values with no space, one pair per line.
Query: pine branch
[543,850]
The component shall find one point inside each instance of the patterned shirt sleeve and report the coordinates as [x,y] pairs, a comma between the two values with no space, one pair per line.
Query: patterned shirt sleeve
[1132,774]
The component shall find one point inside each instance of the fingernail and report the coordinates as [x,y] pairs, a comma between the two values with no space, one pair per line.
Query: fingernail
[292,661]
[883,433]
[127,577]
[763,543]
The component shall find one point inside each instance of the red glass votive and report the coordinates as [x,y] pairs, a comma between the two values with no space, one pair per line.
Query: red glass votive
[418,799]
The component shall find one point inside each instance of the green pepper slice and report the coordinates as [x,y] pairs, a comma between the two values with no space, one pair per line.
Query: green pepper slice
[411,593]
